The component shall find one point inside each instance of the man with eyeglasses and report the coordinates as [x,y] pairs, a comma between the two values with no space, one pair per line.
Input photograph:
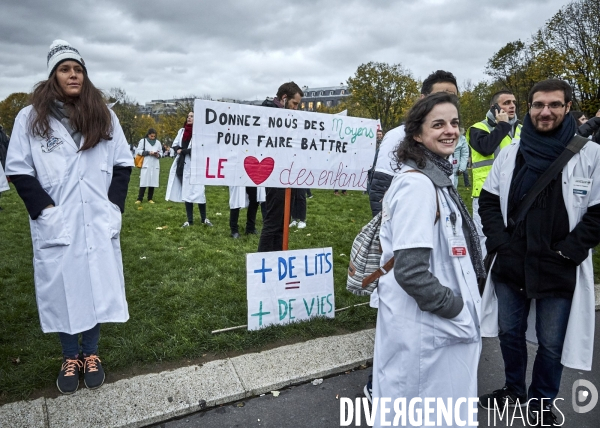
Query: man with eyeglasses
[486,139]
[542,257]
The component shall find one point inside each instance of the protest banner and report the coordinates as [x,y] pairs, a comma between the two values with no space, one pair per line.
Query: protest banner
[287,286]
[243,145]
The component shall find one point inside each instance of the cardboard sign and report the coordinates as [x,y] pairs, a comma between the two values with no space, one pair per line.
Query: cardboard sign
[287,286]
[243,145]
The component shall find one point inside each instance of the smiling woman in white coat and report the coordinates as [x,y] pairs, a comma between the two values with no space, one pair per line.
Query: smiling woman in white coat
[150,148]
[70,163]
[427,341]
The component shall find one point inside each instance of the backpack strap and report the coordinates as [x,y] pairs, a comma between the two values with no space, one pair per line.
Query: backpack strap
[390,263]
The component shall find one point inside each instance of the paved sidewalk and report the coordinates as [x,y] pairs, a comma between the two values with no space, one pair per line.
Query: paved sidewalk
[153,398]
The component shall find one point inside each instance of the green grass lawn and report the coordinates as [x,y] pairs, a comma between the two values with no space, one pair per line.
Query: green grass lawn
[181,284]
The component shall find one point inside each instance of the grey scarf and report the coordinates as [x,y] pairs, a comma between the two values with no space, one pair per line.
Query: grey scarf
[439,170]
[63,114]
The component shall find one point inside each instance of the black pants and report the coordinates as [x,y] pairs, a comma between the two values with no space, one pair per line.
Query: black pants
[189,210]
[298,204]
[143,190]
[271,237]
[234,213]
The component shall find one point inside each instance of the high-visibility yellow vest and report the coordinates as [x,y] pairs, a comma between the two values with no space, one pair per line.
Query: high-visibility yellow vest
[482,165]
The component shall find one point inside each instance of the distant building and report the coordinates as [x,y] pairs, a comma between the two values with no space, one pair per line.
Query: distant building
[156,108]
[329,96]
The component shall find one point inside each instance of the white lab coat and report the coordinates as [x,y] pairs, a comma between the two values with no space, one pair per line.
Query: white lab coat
[150,172]
[417,353]
[238,198]
[579,342]
[183,190]
[3,183]
[386,159]
[78,270]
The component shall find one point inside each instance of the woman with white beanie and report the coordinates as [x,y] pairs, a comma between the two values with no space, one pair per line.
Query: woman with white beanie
[70,163]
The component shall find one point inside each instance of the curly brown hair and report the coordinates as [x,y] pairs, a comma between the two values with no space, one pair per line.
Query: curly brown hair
[409,148]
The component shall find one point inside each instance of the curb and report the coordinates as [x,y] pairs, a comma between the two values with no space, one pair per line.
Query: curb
[153,398]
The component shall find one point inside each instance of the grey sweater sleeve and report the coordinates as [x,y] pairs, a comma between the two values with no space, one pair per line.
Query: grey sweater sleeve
[411,270]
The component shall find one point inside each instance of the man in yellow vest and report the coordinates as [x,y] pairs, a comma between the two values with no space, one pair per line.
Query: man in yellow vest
[486,139]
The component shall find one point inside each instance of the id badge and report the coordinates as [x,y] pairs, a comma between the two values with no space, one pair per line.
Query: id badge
[582,186]
[458,247]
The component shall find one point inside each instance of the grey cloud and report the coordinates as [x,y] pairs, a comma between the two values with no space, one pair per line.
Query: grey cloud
[245,49]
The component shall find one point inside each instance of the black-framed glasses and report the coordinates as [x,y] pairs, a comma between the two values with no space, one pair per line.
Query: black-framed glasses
[554,105]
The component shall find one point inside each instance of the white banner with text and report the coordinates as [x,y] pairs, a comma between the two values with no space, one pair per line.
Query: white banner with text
[243,145]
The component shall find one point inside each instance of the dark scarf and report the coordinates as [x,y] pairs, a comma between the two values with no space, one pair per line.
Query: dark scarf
[470,232]
[63,114]
[185,143]
[539,151]
[187,135]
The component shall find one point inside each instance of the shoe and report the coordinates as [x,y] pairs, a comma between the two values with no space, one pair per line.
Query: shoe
[336,193]
[301,225]
[93,373]
[500,398]
[235,235]
[548,418]
[68,377]
[368,390]
[294,223]
[186,224]
[138,202]
[150,201]
[207,222]
[309,197]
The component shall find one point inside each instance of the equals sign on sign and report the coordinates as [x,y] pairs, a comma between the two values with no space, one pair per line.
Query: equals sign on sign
[291,285]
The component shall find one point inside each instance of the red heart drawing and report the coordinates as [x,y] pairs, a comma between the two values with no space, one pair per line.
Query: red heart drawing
[258,171]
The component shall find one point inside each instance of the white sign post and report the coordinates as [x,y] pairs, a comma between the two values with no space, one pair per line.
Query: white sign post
[242,145]
[287,286]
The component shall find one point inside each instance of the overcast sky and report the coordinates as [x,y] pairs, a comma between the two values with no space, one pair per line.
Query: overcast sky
[244,49]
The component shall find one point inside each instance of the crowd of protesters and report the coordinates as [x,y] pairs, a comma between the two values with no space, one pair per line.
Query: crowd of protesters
[456,277]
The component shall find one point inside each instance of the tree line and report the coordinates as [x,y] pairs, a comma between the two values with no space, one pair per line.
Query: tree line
[567,47]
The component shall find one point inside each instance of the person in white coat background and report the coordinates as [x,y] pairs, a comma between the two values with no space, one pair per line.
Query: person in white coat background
[460,159]
[427,341]
[150,148]
[244,197]
[70,163]
[179,188]
[543,265]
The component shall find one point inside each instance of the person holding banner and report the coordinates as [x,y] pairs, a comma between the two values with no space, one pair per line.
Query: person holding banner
[427,341]
[179,187]
[70,163]
[289,95]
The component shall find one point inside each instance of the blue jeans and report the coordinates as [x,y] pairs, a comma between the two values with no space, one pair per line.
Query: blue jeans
[552,315]
[89,342]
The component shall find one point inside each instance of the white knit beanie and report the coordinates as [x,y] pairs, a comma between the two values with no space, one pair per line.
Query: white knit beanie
[60,51]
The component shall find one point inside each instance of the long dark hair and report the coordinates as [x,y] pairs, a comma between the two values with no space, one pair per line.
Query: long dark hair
[409,148]
[88,112]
